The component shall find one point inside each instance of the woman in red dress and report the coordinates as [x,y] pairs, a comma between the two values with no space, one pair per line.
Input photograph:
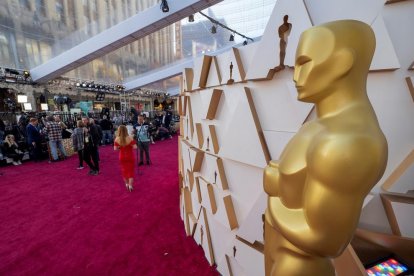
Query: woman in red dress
[125,144]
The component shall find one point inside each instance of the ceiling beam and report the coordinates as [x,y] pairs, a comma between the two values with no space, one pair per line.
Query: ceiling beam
[125,32]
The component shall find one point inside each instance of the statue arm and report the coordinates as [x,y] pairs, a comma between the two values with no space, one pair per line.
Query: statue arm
[271,179]
[335,188]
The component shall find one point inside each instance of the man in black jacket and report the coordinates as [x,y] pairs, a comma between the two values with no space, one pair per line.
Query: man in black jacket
[91,142]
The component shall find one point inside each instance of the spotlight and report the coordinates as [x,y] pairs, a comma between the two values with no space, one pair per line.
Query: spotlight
[164,6]
[100,97]
[26,74]
[83,84]
[245,42]
[44,107]
[231,37]
[77,84]
[191,18]
[213,29]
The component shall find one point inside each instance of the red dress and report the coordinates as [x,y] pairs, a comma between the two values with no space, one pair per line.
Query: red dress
[127,159]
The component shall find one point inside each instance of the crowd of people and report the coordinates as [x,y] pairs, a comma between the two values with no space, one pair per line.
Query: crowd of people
[42,137]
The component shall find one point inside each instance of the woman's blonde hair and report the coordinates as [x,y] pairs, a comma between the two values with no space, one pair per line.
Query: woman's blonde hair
[79,123]
[122,133]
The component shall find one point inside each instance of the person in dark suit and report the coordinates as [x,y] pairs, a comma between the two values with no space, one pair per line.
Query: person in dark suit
[33,139]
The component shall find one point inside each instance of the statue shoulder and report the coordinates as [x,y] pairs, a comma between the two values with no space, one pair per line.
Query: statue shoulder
[348,158]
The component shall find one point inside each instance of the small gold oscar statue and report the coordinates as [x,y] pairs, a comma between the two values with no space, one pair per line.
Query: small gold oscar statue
[208,144]
[231,81]
[317,187]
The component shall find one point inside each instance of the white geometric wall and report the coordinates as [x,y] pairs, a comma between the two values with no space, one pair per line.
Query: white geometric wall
[229,131]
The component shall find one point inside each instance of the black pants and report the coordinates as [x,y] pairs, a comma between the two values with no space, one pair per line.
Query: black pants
[15,156]
[80,155]
[90,153]
[35,152]
[144,147]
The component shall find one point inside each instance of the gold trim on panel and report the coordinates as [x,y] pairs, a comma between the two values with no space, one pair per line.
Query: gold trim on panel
[256,120]
[258,246]
[199,157]
[185,98]
[214,139]
[199,197]
[217,68]
[222,174]
[393,1]
[190,115]
[399,171]
[229,265]
[212,198]
[182,127]
[180,106]
[207,229]
[387,200]
[410,86]
[231,214]
[400,246]
[348,263]
[205,69]
[200,137]
[189,77]
[239,63]
[191,179]
[213,105]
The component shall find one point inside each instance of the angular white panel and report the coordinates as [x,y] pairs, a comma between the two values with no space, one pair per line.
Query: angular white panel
[405,182]
[186,157]
[242,134]
[266,56]
[277,106]
[251,260]
[223,267]
[385,57]
[276,141]
[374,218]
[245,184]
[236,268]
[404,215]
[221,238]
[224,61]
[214,77]
[247,54]
[251,229]
[323,11]
[205,196]
[367,199]
[209,167]
[205,102]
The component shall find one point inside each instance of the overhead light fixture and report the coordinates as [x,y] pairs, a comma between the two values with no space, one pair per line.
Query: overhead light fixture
[21,98]
[231,37]
[27,106]
[191,18]
[26,74]
[213,29]
[44,107]
[164,6]
[245,42]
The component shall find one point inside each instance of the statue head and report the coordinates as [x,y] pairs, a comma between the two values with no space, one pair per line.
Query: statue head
[285,18]
[332,55]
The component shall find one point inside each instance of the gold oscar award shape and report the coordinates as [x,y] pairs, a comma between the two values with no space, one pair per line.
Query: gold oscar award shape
[316,189]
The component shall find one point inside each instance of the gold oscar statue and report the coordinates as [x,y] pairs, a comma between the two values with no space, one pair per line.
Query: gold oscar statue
[317,187]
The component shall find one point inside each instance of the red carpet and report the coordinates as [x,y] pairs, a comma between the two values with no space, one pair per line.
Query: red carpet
[56,220]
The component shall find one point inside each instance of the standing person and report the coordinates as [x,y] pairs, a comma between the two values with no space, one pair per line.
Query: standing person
[125,144]
[78,142]
[143,140]
[2,130]
[107,127]
[33,139]
[91,142]
[54,132]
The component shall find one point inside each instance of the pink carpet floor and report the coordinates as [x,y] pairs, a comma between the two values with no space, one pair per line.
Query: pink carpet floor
[57,220]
